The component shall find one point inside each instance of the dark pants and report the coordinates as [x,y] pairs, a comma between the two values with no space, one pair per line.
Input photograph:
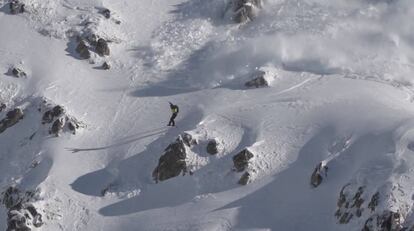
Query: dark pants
[172,122]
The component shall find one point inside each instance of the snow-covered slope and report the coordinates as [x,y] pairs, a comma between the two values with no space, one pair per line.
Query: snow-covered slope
[339,96]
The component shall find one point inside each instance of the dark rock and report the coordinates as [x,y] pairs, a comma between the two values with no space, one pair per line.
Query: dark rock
[245,10]
[106,13]
[212,147]
[102,47]
[348,207]
[21,215]
[318,174]
[50,115]
[57,111]
[258,81]
[73,127]
[83,50]
[16,7]
[11,119]
[17,72]
[188,139]
[374,202]
[92,39]
[241,160]
[387,221]
[47,117]
[172,162]
[11,197]
[106,66]
[2,107]
[245,179]
[57,127]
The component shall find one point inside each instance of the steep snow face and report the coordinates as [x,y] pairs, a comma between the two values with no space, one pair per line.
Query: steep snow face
[338,94]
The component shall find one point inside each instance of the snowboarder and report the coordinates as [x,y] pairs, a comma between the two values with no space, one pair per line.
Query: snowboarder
[174,110]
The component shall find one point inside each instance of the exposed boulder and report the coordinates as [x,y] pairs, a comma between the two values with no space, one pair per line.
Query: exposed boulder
[2,107]
[106,13]
[53,113]
[61,121]
[22,215]
[212,147]
[11,119]
[244,179]
[106,66]
[102,47]
[172,162]
[348,205]
[189,140]
[258,80]
[17,72]
[318,174]
[57,127]
[387,221]
[241,160]
[16,7]
[374,201]
[245,10]
[83,50]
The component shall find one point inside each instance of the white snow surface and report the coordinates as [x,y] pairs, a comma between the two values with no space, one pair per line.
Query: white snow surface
[341,91]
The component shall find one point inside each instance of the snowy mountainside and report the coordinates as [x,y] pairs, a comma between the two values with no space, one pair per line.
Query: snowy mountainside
[321,138]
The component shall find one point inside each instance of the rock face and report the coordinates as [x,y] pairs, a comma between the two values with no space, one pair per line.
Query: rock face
[349,204]
[102,47]
[83,50]
[245,10]
[57,127]
[22,215]
[106,13]
[241,160]
[387,221]
[106,66]
[16,7]
[172,162]
[257,81]
[17,72]
[189,140]
[244,179]
[318,174]
[60,121]
[2,107]
[212,147]
[11,119]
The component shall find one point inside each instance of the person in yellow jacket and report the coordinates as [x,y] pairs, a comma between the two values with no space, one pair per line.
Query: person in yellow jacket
[174,110]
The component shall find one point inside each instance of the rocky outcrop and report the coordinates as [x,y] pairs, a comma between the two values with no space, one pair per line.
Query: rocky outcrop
[17,72]
[16,7]
[106,66]
[244,10]
[22,215]
[61,122]
[258,80]
[241,160]
[102,47]
[358,204]
[83,50]
[189,140]
[11,119]
[212,147]
[387,221]
[349,204]
[319,174]
[106,13]
[244,179]
[2,107]
[173,162]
